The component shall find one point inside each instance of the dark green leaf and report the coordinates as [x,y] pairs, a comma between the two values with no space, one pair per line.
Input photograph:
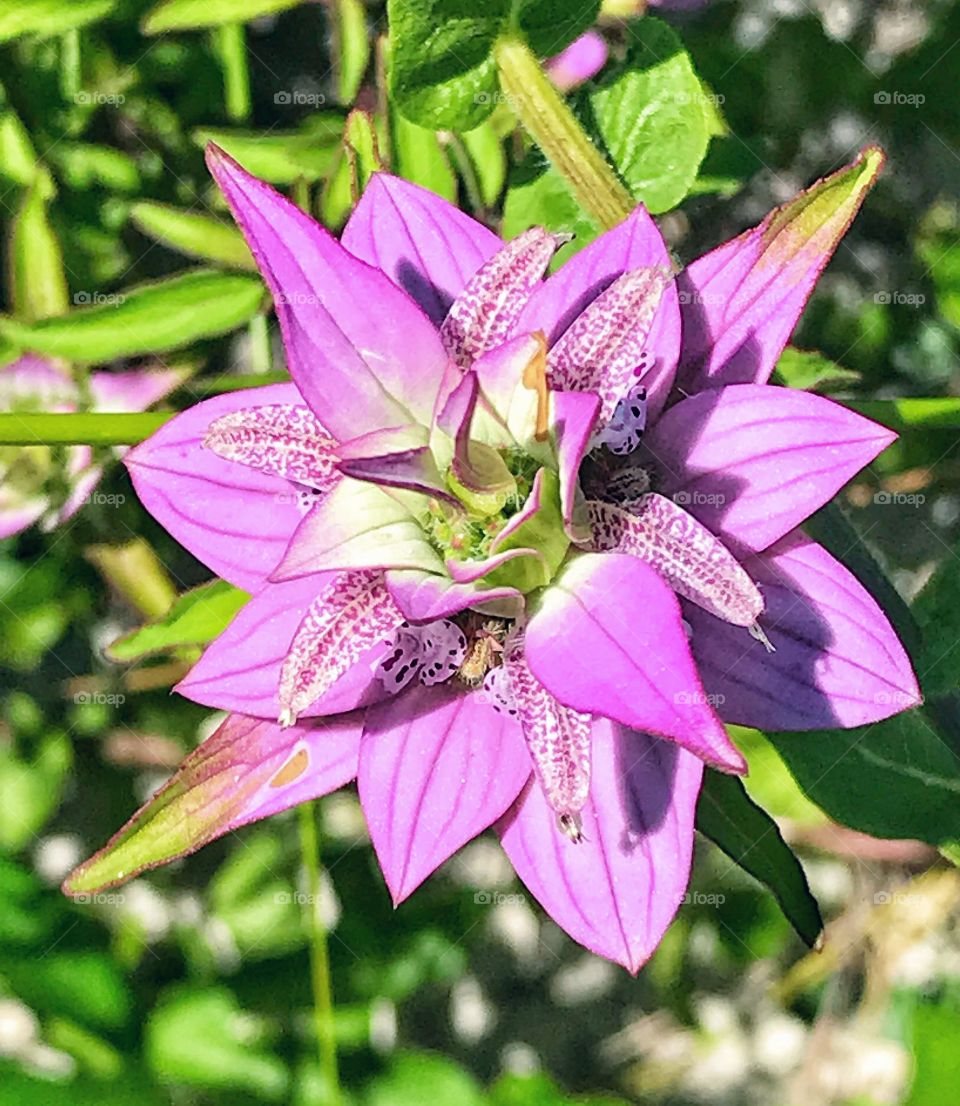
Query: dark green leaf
[812,372]
[48,17]
[750,837]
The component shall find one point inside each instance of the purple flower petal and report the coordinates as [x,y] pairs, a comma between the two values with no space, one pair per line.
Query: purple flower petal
[619,613]
[425,596]
[437,767]
[362,352]
[603,349]
[692,561]
[247,770]
[282,439]
[581,60]
[574,415]
[133,390]
[38,382]
[240,670]
[741,302]
[351,616]
[425,245]
[635,244]
[236,520]
[617,889]
[16,513]
[485,313]
[838,661]
[413,469]
[751,462]
[357,525]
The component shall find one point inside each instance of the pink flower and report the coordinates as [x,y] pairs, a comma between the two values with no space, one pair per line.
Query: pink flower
[34,383]
[581,60]
[506,571]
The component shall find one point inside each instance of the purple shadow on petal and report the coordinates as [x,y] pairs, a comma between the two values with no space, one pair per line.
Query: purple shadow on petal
[838,661]
[617,890]
[413,469]
[424,244]
[437,767]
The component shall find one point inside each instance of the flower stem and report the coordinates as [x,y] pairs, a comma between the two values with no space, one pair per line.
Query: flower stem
[71,71]
[81,429]
[230,46]
[319,955]
[545,114]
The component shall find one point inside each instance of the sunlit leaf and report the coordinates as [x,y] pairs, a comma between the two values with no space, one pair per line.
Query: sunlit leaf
[186,15]
[48,17]
[193,234]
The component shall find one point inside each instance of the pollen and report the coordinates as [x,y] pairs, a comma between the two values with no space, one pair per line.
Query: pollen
[292,770]
[535,378]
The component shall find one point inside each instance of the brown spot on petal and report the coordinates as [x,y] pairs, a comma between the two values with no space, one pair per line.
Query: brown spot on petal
[292,770]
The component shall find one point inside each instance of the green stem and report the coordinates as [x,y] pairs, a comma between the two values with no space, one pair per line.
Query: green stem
[545,114]
[261,354]
[71,70]
[230,46]
[86,429]
[319,955]
[236,382]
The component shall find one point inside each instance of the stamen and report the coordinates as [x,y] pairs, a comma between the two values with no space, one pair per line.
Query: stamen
[757,633]
[535,378]
[571,825]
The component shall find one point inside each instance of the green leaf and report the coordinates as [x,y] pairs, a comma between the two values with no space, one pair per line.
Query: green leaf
[442,74]
[928,413]
[750,837]
[359,159]
[539,196]
[936,1058]
[196,617]
[151,318]
[937,610]
[898,778]
[83,165]
[38,282]
[489,160]
[18,158]
[188,15]
[538,1089]
[192,234]
[31,788]
[308,154]
[48,17]
[203,1038]
[653,117]
[421,158]
[351,47]
[418,1077]
[85,986]
[812,372]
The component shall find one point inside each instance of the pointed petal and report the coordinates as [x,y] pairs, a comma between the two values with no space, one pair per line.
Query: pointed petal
[485,313]
[247,770]
[351,616]
[558,738]
[692,561]
[135,389]
[603,349]
[413,469]
[635,244]
[506,376]
[236,520]
[617,611]
[424,596]
[240,670]
[574,417]
[357,525]
[283,439]
[838,661]
[741,302]
[580,61]
[617,889]
[437,767]
[751,461]
[468,572]
[425,245]
[358,369]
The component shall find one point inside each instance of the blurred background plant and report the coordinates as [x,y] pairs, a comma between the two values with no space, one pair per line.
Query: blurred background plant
[189,986]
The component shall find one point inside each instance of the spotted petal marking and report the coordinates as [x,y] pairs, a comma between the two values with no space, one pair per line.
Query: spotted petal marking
[602,349]
[486,311]
[623,432]
[695,563]
[347,619]
[432,652]
[557,736]
[282,439]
